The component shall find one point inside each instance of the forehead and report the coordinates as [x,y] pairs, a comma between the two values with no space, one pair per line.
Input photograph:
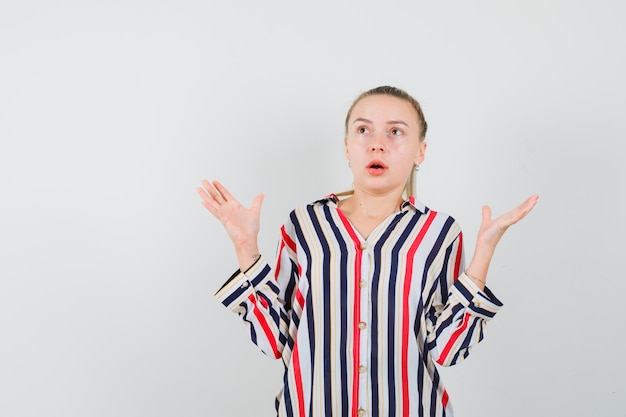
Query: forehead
[383,108]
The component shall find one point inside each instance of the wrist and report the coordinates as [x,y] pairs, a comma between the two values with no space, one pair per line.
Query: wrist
[476,279]
[484,250]
[247,257]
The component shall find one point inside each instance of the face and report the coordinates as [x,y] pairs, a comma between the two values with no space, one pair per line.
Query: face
[383,143]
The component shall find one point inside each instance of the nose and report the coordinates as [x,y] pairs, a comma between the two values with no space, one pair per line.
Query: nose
[378,143]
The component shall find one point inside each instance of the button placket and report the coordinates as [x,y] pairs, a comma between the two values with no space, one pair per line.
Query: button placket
[362,325]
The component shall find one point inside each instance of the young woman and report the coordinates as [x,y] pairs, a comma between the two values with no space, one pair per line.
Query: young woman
[369,291]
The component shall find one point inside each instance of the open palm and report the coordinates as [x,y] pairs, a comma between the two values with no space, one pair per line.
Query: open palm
[242,224]
[491,230]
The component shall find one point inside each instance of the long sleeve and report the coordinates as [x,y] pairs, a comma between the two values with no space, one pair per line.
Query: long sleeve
[459,312]
[263,297]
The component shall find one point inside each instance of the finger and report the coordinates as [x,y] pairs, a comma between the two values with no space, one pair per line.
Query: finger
[223,191]
[528,205]
[207,201]
[213,209]
[257,202]
[521,211]
[207,185]
[206,197]
[203,194]
[213,192]
[486,214]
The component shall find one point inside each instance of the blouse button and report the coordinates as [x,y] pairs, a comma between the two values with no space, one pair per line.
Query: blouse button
[363,245]
[362,325]
[361,412]
[362,284]
[245,284]
[362,369]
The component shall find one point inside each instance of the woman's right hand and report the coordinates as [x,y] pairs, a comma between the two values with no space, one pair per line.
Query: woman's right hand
[242,224]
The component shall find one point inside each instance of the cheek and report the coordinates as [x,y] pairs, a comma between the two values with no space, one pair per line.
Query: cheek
[408,158]
[355,145]
[359,140]
[408,151]
[414,150]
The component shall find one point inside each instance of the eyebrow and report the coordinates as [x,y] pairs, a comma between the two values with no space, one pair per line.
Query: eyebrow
[397,122]
[390,122]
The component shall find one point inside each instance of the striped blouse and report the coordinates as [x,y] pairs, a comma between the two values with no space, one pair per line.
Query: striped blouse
[360,323]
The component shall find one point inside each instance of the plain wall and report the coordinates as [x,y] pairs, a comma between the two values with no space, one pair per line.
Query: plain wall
[112,112]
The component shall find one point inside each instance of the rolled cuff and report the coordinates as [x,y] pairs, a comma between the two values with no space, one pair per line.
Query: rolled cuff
[483,303]
[241,284]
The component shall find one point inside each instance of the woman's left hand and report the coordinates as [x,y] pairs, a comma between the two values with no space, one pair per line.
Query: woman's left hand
[491,231]
[489,234]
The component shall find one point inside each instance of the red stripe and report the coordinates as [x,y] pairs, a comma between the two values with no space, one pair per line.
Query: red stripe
[405,311]
[266,328]
[280,252]
[444,399]
[459,254]
[356,349]
[349,228]
[300,298]
[457,333]
[287,239]
[298,377]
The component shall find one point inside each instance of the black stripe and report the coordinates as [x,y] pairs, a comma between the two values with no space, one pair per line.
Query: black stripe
[326,300]
[308,304]
[464,347]
[311,326]
[391,319]
[290,290]
[420,384]
[343,294]
[433,394]
[374,326]
[287,395]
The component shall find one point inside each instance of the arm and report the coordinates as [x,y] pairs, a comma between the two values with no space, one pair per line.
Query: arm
[260,296]
[263,302]
[489,234]
[457,318]
[459,310]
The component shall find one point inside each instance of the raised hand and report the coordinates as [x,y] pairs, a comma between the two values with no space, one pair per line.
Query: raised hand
[242,224]
[490,233]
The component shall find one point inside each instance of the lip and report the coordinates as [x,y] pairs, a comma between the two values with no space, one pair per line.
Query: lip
[376,167]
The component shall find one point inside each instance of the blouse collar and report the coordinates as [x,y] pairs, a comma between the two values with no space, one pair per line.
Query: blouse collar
[411,202]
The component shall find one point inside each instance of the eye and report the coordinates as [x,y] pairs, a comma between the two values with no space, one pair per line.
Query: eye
[361,130]
[396,132]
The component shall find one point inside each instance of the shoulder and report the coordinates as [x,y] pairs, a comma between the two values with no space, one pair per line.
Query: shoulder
[420,208]
[306,211]
[329,201]
[439,220]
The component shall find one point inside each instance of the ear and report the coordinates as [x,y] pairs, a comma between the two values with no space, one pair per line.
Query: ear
[421,151]
[345,144]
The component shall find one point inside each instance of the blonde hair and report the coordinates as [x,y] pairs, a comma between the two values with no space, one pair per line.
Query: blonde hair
[385,90]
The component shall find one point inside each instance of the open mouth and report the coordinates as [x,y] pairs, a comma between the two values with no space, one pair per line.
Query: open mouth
[376,167]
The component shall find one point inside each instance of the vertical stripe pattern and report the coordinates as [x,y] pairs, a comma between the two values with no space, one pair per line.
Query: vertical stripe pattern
[360,323]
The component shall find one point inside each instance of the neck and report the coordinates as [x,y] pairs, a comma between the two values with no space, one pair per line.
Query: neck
[372,205]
